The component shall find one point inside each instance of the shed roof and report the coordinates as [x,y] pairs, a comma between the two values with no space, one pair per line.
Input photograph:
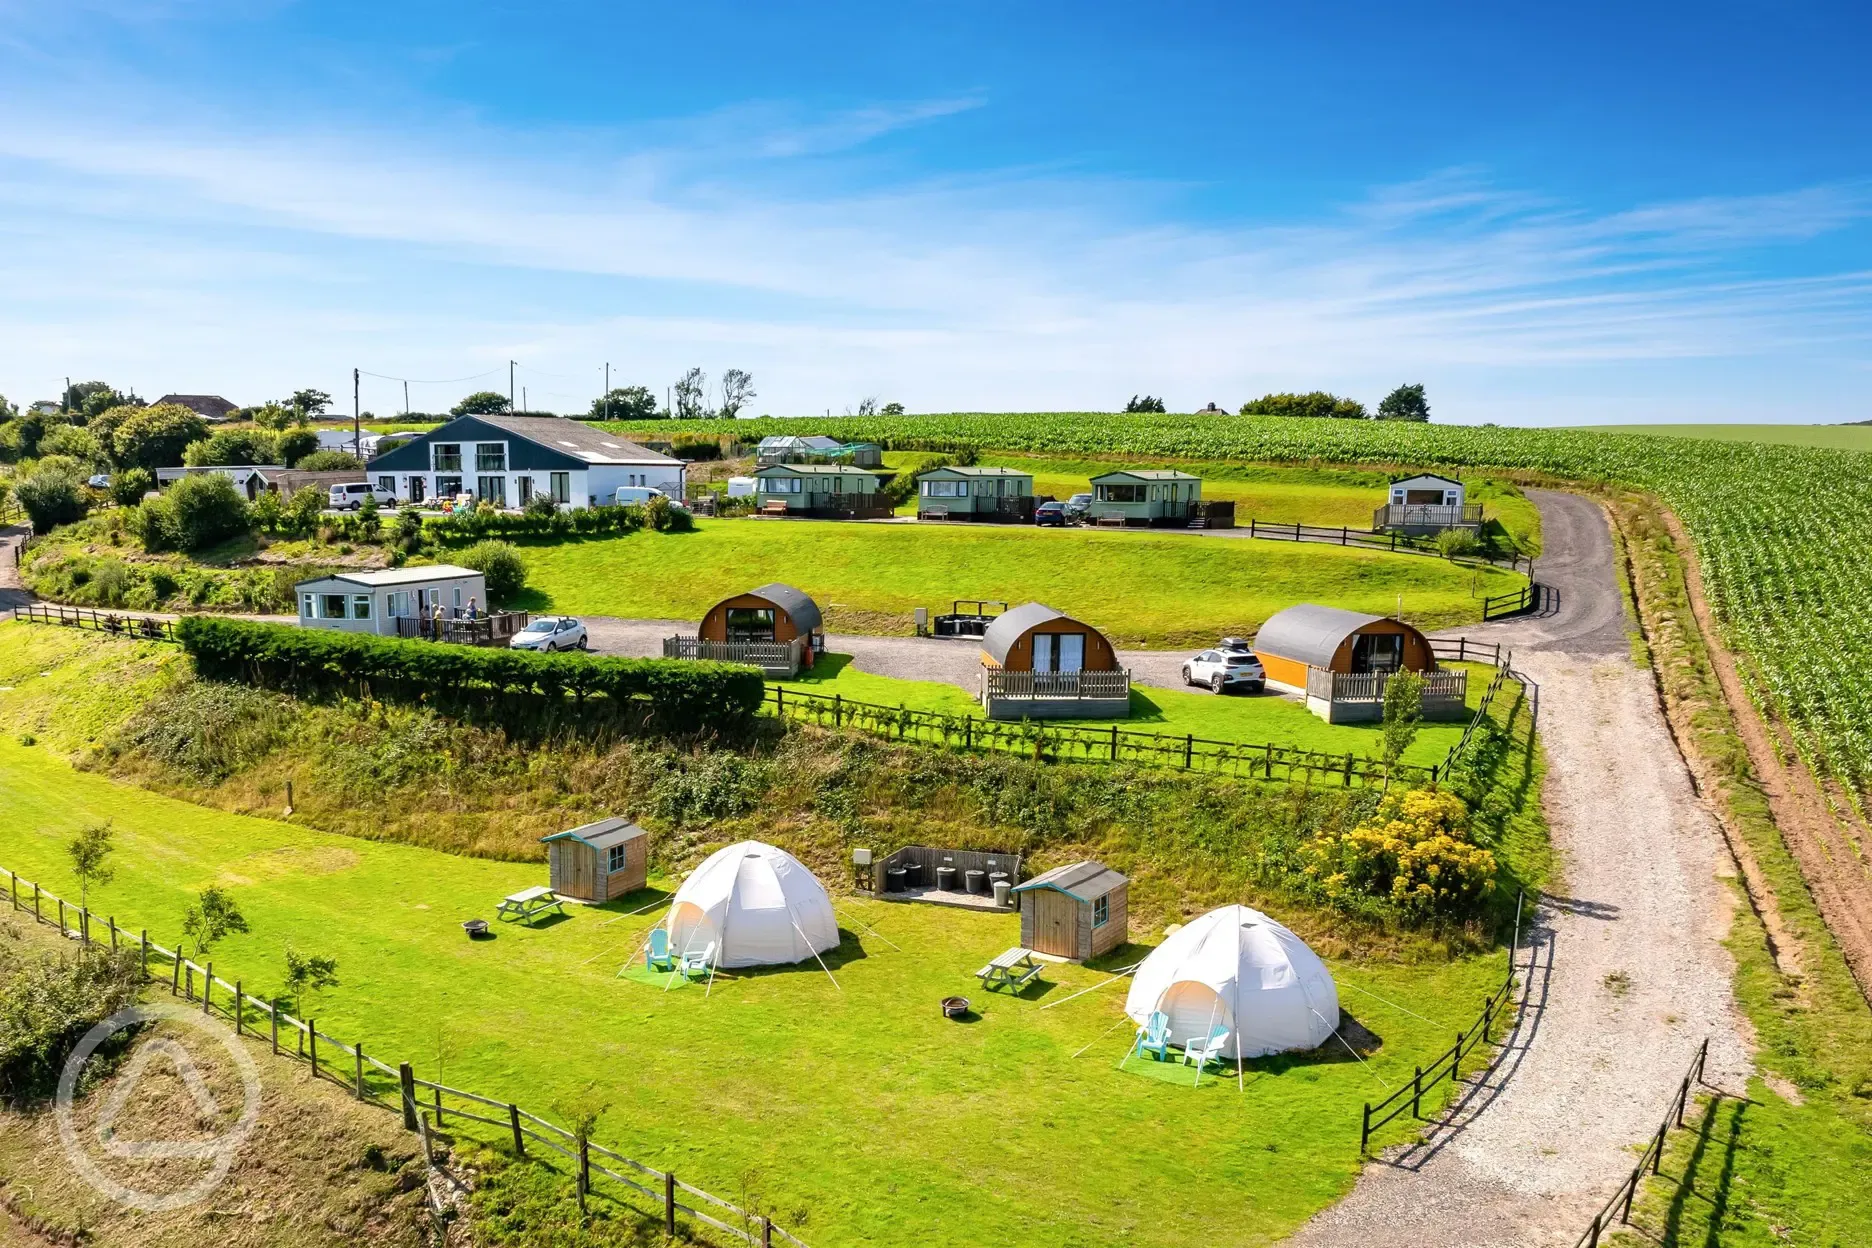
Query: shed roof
[602,834]
[802,609]
[398,576]
[1310,633]
[1147,474]
[1084,881]
[811,442]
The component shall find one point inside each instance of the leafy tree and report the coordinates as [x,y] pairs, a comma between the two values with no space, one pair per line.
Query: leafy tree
[155,437]
[266,511]
[7,410]
[409,526]
[130,485]
[212,916]
[688,395]
[481,403]
[51,496]
[368,521]
[24,435]
[303,509]
[1405,403]
[75,442]
[737,390]
[90,398]
[1144,403]
[502,567]
[625,403]
[274,417]
[1403,715]
[867,406]
[1316,404]
[293,445]
[309,403]
[891,409]
[328,461]
[196,512]
[304,973]
[90,852]
[232,446]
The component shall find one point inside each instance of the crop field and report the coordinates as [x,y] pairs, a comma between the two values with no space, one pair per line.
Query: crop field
[1784,533]
[1831,437]
[777,1088]
[1142,589]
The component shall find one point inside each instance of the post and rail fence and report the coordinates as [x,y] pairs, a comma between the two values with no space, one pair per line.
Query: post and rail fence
[136,626]
[1447,1065]
[425,1106]
[1366,539]
[1652,1157]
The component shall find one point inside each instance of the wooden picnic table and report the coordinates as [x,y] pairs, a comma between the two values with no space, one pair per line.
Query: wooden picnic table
[529,903]
[1014,970]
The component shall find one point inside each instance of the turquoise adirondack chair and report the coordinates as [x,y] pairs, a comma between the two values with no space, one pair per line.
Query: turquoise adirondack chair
[1154,1036]
[657,956]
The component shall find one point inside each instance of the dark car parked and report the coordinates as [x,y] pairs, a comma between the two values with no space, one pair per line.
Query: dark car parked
[1050,515]
[1078,508]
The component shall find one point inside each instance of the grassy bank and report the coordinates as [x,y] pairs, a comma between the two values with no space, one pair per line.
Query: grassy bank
[1141,589]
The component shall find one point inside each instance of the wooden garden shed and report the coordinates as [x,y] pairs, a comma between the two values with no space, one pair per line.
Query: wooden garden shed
[598,861]
[1076,911]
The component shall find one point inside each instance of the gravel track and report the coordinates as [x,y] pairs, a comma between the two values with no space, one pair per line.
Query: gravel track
[1628,973]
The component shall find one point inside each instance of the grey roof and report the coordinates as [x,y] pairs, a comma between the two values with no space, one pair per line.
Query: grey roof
[817,470]
[787,441]
[1010,626]
[974,472]
[1309,633]
[803,610]
[1148,474]
[1425,476]
[398,576]
[602,834]
[1082,880]
[575,437]
[202,404]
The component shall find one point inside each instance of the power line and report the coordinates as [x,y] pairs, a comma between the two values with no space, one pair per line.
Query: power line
[428,381]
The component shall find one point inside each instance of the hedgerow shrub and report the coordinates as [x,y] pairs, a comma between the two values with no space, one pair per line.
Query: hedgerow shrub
[48,1003]
[51,497]
[128,487]
[484,522]
[500,565]
[196,512]
[675,696]
[1415,852]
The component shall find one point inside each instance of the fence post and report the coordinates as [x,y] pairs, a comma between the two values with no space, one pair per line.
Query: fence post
[61,916]
[1189,749]
[838,706]
[1114,743]
[207,986]
[1657,1151]
[1416,1100]
[113,931]
[669,1203]
[273,1014]
[1488,1008]
[311,1031]
[1631,1192]
[766,1232]
[1364,1135]
[1592,1236]
[1455,1061]
[145,943]
[1683,1094]
[438,1105]
[239,1007]
[175,974]
[84,927]
[36,892]
[406,1079]
[358,1051]
[513,1117]
[779,701]
[13,888]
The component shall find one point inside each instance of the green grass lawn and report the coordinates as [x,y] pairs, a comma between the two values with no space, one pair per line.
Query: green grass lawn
[1254,719]
[855,1113]
[1143,589]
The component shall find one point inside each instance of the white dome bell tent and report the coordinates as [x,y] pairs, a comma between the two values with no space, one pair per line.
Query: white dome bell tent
[757,905]
[1235,968]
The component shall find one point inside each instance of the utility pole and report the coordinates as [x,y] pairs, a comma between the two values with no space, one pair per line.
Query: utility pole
[510,388]
[607,406]
[357,433]
[523,399]
[406,400]
[67,397]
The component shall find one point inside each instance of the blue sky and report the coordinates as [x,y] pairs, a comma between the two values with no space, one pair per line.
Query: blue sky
[1574,216]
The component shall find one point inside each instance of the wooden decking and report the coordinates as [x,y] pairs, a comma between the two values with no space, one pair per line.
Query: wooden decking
[948,897]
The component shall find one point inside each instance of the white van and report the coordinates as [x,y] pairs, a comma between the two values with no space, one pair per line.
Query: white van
[350,496]
[627,494]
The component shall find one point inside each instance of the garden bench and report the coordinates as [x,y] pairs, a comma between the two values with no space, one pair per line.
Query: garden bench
[528,904]
[774,507]
[1014,970]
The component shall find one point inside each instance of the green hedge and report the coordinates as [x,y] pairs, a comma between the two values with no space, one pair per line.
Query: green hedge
[678,696]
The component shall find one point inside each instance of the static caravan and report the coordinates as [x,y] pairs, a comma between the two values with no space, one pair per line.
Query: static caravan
[1427,503]
[811,489]
[1145,496]
[392,602]
[994,494]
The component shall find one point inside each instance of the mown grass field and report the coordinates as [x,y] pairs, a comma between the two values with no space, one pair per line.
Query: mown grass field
[853,1112]
[1254,719]
[1142,589]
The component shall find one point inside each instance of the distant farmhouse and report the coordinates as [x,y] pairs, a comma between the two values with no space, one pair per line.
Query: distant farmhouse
[210,407]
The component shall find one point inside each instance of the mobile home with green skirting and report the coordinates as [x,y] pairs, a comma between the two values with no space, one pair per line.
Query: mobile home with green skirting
[1003,494]
[1145,496]
[814,489]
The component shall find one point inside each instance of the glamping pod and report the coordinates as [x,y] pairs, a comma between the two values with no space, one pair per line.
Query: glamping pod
[1339,660]
[1039,663]
[1235,968]
[776,628]
[758,905]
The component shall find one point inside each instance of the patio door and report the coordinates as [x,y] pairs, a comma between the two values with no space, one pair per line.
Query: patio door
[750,624]
[1378,652]
[1058,652]
[523,490]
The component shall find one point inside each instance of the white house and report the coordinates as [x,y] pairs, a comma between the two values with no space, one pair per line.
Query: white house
[373,602]
[507,460]
[1427,503]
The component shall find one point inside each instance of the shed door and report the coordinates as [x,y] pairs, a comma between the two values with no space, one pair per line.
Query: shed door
[1056,924]
[580,881]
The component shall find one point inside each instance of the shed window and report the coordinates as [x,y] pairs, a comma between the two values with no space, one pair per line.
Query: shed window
[490,457]
[331,606]
[360,606]
[1101,911]
[614,858]
[447,456]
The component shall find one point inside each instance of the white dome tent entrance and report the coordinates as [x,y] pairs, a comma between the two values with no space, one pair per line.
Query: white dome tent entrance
[1236,976]
[751,904]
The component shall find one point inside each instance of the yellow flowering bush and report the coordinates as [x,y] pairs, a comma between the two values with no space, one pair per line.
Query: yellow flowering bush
[1415,852]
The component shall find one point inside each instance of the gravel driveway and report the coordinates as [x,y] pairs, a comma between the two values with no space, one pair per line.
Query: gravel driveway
[1629,971]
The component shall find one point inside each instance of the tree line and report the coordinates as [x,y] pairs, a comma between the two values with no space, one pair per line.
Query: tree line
[1407,402]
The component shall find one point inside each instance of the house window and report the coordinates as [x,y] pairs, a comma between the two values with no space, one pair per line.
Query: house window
[614,859]
[447,456]
[448,487]
[562,487]
[307,606]
[782,485]
[491,490]
[360,606]
[490,457]
[400,603]
[331,606]
[523,490]
[387,484]
[1120,493]
[1101,911]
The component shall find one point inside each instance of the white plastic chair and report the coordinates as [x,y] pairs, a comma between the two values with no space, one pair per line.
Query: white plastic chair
[1202,1052]
[697,962]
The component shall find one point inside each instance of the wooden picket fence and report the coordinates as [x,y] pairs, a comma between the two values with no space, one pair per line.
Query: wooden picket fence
[425,1106]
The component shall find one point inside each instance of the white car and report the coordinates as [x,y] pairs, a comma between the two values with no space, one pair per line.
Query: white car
[549,633]
[1226,671]
[351,495]
[99,481]
[640,494]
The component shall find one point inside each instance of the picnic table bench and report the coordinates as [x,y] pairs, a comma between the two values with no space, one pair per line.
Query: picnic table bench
[1014,969]
[529,903]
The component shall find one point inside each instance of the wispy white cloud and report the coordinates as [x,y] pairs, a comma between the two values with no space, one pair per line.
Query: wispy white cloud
[1003,290]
